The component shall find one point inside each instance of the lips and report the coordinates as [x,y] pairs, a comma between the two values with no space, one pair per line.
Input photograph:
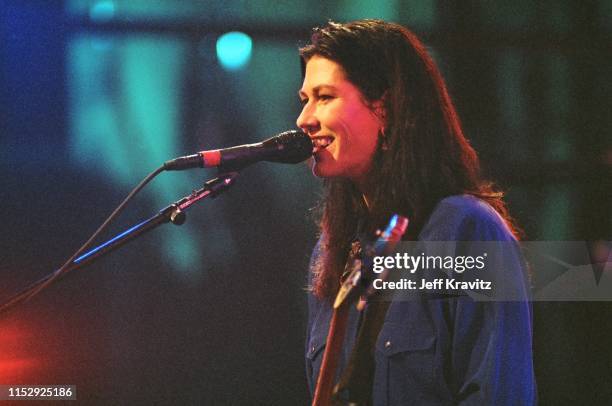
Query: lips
[319,143]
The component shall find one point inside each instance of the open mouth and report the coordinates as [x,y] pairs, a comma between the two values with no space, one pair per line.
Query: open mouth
[320,143]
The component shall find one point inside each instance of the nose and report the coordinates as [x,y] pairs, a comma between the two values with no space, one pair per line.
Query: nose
[307,120]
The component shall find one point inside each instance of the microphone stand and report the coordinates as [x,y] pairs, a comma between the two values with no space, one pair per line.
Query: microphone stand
[174,213]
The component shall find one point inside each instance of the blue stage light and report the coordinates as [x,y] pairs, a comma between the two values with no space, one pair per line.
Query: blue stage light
[234,50]
[102,11]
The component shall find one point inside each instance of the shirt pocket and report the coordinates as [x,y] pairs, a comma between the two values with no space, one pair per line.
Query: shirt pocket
[404,364]
[314,351]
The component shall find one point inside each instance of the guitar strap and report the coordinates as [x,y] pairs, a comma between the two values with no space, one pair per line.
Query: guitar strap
[355,385]
[357,379]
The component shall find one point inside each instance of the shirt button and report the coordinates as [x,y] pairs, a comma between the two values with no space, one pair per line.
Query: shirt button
[312,349]
[388,344]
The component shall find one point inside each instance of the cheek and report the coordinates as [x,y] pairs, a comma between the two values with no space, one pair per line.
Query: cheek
[355,127]
[368,145]
[367,130]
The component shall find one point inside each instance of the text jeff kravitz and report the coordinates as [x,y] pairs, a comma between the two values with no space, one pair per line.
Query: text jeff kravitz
[435,284]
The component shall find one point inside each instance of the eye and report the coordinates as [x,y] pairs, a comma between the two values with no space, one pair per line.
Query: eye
[325,97]
[303,102]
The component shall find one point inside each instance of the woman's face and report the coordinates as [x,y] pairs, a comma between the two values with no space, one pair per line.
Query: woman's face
[344,129]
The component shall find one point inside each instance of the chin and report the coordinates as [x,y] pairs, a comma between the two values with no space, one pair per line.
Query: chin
[321,171]
[316,171]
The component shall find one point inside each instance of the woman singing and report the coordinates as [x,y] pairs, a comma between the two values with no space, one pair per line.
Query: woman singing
[387,140]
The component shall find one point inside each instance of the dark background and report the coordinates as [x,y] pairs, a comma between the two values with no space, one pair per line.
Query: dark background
[96,94]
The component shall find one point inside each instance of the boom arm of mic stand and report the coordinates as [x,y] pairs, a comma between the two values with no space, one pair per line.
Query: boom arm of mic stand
[174,213]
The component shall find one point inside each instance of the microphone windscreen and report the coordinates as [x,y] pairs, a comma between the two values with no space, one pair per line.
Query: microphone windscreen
[291,147]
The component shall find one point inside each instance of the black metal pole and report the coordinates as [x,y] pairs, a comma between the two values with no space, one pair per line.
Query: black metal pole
[174,213]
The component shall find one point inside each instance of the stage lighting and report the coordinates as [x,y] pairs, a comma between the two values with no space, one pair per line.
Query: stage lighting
[234,50]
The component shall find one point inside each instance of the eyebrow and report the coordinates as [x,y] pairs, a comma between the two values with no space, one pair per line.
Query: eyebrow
[316,89]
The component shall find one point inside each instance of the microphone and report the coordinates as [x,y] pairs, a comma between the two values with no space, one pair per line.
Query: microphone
[289,147]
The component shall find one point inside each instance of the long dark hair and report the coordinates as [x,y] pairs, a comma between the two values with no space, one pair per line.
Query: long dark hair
[426,156]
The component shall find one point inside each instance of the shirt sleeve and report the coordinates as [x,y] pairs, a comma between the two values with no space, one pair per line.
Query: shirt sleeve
[491,341]
[312,311]
[491,353]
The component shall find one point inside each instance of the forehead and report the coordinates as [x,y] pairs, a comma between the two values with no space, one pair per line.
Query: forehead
[322,71]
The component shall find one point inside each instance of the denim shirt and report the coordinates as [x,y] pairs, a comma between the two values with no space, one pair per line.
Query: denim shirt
[444,351]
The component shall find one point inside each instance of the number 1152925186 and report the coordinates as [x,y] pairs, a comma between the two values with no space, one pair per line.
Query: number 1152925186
[37,392]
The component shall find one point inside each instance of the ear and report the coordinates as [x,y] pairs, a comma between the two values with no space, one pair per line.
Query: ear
[378,107]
